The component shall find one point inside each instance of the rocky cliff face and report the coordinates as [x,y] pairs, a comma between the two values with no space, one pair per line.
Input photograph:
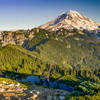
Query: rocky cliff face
[15,37]
[71,20]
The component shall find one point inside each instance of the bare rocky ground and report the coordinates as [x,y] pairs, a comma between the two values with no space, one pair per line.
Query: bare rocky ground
[14,91]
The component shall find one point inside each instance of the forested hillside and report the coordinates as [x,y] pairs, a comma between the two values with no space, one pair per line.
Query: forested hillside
[70,57]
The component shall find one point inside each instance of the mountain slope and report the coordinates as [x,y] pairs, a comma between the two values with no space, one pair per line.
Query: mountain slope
[65,48]
[71,20]
[17,59]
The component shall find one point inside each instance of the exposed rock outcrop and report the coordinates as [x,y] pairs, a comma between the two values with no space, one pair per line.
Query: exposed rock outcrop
[15,91]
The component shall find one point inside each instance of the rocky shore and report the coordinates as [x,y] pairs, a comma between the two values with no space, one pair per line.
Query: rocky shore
[15,91]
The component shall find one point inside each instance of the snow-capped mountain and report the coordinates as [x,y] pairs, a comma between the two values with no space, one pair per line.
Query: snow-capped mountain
[71,20]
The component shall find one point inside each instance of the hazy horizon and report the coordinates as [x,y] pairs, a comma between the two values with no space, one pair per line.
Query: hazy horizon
[27,14]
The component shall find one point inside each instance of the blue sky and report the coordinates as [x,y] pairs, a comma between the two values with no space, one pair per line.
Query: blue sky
[24,14]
